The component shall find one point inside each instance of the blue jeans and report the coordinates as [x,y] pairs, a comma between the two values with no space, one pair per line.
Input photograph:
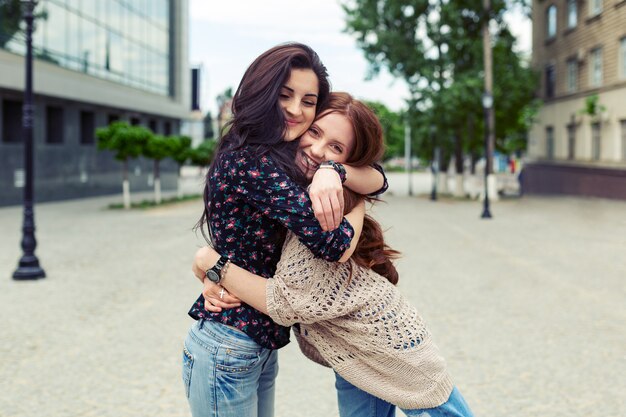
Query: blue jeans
[354,402]
[227,374]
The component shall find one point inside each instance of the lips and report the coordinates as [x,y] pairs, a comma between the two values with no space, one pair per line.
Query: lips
[308,162]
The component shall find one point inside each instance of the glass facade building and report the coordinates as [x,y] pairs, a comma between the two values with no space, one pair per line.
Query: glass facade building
[96,61]
[126,41]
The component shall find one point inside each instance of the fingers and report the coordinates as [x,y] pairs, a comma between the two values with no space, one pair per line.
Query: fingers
[327,210]
[216,297]
[318,210]
[337,212]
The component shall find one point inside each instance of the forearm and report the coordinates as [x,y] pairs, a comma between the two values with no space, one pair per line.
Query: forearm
[363,180]
[246,286]
[355,217]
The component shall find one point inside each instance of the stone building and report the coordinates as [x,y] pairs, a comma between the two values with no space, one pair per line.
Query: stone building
[578,145]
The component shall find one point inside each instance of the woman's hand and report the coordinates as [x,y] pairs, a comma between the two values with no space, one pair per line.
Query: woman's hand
[216,297]
[326,193]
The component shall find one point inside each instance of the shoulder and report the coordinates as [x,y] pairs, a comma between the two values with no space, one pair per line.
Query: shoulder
[246,158]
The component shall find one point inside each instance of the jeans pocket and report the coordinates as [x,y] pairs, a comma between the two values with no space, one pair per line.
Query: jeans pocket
[236,360]
[187,368]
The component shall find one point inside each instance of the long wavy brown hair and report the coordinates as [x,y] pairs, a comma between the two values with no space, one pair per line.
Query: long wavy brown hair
[371,250]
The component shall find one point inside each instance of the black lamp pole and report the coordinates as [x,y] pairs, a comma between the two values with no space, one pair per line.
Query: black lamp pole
[487,101]
[28,267]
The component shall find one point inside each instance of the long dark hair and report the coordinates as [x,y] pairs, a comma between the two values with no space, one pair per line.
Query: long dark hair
[371,250]
[258,122]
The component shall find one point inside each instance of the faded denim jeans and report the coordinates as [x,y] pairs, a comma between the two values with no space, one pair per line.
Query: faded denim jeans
[354,402]
[226,373]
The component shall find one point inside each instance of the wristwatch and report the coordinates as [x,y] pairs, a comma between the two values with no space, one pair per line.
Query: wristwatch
[339,169]
[215,274]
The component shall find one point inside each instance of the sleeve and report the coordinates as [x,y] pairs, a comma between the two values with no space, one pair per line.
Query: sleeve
[278,197]
[385,186]
[307,290]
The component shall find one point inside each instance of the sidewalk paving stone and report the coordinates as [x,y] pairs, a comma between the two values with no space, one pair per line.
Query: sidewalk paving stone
[528,308]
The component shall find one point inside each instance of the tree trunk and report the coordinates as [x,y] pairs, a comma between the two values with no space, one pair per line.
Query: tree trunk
[157,182]
[444,163]
[179,182]
[459,190]
[125,185]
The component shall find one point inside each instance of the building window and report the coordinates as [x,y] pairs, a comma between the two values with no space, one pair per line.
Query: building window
[135,121]
[571,141]
[550,81]
[595,141]
[596,68]
[550,142]
[551,21]
[87,127]
[623,123]
[572,75]
[572,13]
[167,128]
[152,124]
[12,121]
[595,7]
[622,54]
[113,118]
[54,125]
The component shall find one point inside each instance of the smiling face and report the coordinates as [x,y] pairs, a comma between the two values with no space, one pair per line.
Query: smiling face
[330,137]
[298,99]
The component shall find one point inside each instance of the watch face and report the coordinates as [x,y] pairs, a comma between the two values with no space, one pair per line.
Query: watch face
[213,276]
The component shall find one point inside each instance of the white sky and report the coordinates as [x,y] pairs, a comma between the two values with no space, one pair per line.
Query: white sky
[226,36]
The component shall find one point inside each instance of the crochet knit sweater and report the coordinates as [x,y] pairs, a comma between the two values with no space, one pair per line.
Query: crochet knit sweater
[361,326]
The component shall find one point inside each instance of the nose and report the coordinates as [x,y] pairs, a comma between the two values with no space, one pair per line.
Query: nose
[293,108]
[318,150]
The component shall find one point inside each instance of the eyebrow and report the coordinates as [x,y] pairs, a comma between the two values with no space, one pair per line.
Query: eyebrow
[292,90]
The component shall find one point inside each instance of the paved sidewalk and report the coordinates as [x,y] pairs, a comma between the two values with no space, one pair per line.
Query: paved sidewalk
[528,308]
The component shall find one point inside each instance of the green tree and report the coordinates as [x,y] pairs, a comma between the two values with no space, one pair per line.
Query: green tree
[203,154]
[180,147]
[393,128]
[11,20]
[436,47]
[157,148]
[126,142]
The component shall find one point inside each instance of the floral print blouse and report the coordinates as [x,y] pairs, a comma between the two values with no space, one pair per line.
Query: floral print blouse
[252,203]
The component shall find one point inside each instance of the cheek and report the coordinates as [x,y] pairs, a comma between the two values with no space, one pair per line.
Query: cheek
[309,116]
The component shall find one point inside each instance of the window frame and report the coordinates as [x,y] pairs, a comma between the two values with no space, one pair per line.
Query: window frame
[596,141]
[551,21]
[55,128]
[595,7]
[595,54]
[571,10]
[550,142]
[572,76]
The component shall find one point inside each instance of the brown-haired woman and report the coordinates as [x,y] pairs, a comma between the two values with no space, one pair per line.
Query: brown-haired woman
[351,316]
[253,196]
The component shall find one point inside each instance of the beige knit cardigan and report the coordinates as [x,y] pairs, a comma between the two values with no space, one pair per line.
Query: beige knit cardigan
[361,326]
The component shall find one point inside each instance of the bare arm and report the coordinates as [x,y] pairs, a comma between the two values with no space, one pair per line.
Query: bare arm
[326,191]
[363,180]
[246,286]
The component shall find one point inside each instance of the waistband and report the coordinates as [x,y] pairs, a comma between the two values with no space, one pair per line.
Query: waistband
[226,335]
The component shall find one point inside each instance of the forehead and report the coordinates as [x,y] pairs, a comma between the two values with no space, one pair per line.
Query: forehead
[336,127]
[303,81]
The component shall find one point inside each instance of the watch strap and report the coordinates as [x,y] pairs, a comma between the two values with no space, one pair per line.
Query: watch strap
[339,169]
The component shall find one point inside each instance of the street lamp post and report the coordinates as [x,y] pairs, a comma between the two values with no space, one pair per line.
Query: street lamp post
[487,105]
[28,267]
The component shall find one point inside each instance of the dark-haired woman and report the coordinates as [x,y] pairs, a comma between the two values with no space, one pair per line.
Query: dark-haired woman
[351,316]
[253,196]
